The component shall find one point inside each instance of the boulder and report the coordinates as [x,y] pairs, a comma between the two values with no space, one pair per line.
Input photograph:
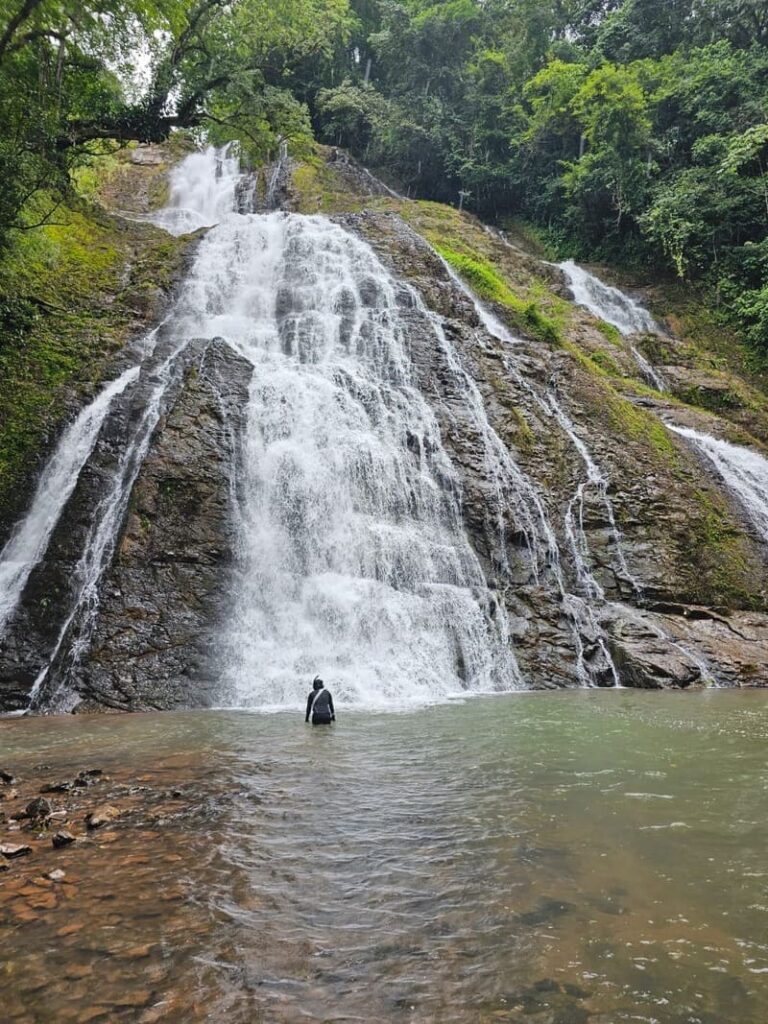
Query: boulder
[61,839]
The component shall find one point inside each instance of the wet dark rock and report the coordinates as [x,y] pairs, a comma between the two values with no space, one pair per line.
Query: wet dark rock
[11,850]
[61,839]
[164,596]
[6,778]
[56,787]
[37,809]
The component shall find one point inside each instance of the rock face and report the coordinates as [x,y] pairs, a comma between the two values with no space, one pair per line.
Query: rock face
[674,572]
[161,600]
[681,542]
[157,605]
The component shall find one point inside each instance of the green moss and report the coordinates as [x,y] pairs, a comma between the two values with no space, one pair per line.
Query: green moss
[68,301]
[610,333]
[319,189]
[487,283]
[640,425]
[624,417]
[606,362]
[719,550]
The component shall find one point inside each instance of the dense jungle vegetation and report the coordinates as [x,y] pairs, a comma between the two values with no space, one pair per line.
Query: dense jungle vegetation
[632,131]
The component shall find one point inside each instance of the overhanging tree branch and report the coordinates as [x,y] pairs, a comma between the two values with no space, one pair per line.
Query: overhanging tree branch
[24,13]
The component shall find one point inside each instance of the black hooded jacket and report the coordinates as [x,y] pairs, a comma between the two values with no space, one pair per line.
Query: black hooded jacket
[320,706]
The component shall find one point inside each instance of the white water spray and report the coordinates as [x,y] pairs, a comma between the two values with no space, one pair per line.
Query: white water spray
[202,191]
[745,472]
[616,308]
[29,540]
[354,558]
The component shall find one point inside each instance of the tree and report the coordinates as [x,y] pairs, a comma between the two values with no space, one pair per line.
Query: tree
[68,79]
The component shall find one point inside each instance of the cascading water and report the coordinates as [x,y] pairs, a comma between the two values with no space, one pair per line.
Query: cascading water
[577,606]
[202,191]
[29,540]
[745,472]
[354,558]
[616,308]
[270,199]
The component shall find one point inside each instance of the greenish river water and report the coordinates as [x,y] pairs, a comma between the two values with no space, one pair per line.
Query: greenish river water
[574,858]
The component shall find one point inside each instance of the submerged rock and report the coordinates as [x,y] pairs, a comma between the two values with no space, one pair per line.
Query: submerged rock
[102,816]
[61,839]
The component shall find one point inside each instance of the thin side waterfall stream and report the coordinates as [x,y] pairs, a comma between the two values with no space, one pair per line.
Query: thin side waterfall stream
[578,606]
[29,540]
[744,472]
[616,308]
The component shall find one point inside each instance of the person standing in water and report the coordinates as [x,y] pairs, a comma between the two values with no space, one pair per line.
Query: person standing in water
[320,704]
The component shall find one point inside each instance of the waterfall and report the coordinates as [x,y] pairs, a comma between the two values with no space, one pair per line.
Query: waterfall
[202,191]
[578,607]
[745,472]
[29,540]
[354,559]
[353,556]
[617,309]
[206,183]
[275,178]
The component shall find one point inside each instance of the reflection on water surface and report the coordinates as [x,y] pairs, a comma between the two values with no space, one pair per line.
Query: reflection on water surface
[553,858]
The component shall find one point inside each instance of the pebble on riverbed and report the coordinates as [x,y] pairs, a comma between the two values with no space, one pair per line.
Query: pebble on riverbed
[101,816]
[66,817]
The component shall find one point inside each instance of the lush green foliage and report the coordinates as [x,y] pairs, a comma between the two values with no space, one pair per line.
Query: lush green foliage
[629,130]
[625,130]
[77,76]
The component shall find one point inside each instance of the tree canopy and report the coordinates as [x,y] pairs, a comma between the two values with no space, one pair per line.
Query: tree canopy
[77,72]
[625,130]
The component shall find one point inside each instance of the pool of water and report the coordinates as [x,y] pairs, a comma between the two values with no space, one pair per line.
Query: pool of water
[574,858]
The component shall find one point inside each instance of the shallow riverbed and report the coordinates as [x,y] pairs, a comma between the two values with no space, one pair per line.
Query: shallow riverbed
[554,858]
